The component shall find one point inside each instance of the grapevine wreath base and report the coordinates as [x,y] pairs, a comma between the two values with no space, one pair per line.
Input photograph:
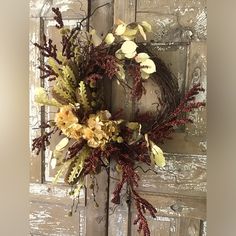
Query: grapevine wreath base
[92,136]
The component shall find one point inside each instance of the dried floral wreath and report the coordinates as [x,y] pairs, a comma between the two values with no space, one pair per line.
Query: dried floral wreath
[90,135]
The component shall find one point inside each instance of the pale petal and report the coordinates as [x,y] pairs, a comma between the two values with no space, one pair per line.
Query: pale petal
[157,155]
[142,32]
[144,75]
[149,66]
[127,38]
[96,40]
[130,55]
[62,144]
[119,21]
[109,38]
[120,29]
[141,57]
[120,73]
[146,26]
[128,47]
[119,54]
[130,32]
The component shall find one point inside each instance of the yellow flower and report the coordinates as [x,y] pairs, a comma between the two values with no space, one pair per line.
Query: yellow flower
[65,117]
[88,133]
[100,129]
[75,131]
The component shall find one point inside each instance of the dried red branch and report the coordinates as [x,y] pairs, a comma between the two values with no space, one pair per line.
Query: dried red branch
[131,178]
[74,149]
[40,143]
[47,49]
[161,131]
[106,63]
[93,78]
[58,18]
[137,88]
[67,47]
[93,163]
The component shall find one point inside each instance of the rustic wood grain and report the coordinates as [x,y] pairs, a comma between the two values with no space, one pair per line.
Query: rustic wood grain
[96,216]
[178,191]
[183,174]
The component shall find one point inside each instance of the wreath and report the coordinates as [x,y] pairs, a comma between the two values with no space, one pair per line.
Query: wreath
[90,135]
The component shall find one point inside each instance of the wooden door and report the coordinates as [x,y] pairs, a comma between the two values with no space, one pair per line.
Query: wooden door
[178,191]
[50,205]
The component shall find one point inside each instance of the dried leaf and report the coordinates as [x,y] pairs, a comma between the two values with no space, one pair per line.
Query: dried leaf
[149,66]
[62,144]
[41,98]
[146,26]
[81,91]
[130,55]
[157,155]
[96,40]
[128,47]
[141,57]
[78,165]
[133,125]
[121,72]
[61,171]
[120,29]
[119,55]
[109,38]
[141,31]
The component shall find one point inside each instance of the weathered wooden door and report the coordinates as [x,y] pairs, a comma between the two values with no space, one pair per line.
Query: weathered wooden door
[50,205]
[178,191]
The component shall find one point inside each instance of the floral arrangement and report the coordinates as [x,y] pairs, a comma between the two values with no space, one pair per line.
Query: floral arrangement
[91,136]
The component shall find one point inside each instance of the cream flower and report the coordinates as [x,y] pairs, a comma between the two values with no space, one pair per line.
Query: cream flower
[141,57]
[149,66]
[120,28]
[96,40]
[128,48]
[88,133]
[109,38]
[119,54]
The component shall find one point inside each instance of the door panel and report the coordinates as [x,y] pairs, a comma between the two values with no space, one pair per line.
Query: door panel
[174,20]
[50,204]
[49,208]
[177,191]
